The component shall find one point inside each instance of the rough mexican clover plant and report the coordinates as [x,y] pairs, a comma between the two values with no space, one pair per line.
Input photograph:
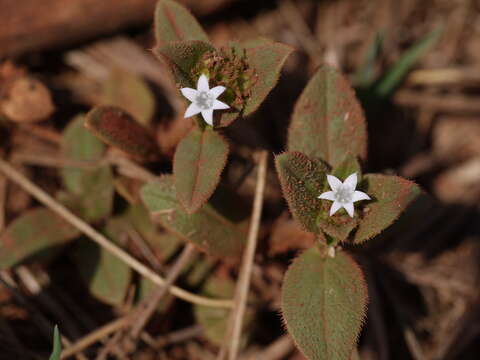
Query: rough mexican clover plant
[219,86]
[324,295]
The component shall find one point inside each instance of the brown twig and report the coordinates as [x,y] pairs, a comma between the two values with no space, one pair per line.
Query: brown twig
[125,166]
[275,351]
[144,248]
[241,292]
[147,309]
[177,336]
[110,347]
[43,133]
[440,103]
[101,240]
[445,76]
[129,168]
[95,336]
[51,161]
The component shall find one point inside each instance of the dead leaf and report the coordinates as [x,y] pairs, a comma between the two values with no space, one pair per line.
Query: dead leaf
[26,100]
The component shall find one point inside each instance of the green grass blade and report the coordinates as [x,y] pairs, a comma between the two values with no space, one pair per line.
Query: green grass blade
[394,76]
[57,345]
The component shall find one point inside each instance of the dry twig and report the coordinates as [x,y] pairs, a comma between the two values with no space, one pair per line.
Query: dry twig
[95,336]
[146,310]
[248,258]
[101,240]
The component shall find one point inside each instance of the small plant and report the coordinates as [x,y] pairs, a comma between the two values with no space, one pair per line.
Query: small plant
[324,295]
[241,74]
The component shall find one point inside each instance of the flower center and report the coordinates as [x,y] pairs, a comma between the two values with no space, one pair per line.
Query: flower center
[204,100]
[344,194]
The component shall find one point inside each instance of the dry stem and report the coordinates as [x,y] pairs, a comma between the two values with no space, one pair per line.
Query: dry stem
[101,240]
[147,309]
[248,258]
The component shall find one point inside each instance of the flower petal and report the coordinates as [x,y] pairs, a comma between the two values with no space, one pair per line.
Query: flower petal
[333,182]
[329,195]
[360,195]
[208,116]
[189,93]
[335,206]
[218,105]
[202,84]
[349,208]
[351,181]
[193,109]
[217,91]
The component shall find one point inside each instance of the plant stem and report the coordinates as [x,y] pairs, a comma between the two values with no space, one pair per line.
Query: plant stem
[248,258]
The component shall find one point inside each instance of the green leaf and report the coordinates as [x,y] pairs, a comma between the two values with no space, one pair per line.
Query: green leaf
[348,166]
[207,229]
[197,165]
[323,303]
[390,197]
[173,22]
[395,75]
[302,180]
[183,57]
[105,274]
[328,122]
[267,58]
[215,321]
[57,345]
[79,144]
[96,201]
[131,93]
[90,190]
[35,231]
[117,128]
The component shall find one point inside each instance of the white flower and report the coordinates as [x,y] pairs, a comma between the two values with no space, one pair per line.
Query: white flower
[343,194]
[204,100]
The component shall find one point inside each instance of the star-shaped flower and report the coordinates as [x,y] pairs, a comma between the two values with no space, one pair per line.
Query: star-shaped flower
[204,100]
[343,194]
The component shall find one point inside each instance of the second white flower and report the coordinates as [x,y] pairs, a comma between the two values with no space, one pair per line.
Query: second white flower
[343,194]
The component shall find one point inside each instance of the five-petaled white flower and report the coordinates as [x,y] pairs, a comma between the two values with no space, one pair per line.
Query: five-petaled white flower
[343,194]
[204,100]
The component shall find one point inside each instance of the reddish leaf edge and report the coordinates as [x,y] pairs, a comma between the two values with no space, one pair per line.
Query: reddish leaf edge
[363,284]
